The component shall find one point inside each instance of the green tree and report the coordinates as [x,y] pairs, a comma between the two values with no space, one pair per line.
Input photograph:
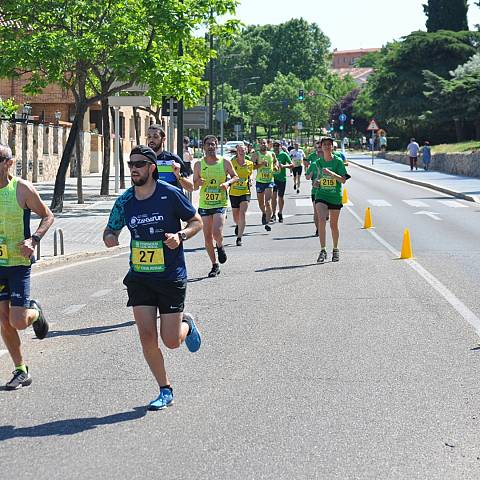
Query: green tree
[446,15]
[297,47]
[457,98]
[85,46]
[7,108]
[395,90]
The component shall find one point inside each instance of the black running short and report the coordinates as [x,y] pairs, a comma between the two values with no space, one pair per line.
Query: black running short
[331,206]
[280,188]
[168,296]
[297,171]
[235,201]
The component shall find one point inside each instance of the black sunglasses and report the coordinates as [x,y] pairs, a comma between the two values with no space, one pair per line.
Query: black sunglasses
[4,159]
[138,164]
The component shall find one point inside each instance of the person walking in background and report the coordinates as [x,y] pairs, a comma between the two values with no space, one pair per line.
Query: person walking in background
[383,142]
[426,155]
[412,149]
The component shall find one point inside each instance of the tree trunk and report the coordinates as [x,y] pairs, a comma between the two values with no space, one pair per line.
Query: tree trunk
[105,188]
[459,129]
[79,155]
[59,190]
[477,129]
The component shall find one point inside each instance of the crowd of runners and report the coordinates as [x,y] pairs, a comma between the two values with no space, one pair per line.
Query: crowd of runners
[160,219]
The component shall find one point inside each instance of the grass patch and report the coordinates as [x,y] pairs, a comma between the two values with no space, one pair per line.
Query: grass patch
[462,147]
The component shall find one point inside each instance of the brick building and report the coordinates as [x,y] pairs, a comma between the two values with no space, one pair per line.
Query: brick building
[343,63]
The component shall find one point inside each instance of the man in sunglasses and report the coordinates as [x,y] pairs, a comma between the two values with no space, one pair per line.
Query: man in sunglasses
[18,198]
[152,211]
[171,168]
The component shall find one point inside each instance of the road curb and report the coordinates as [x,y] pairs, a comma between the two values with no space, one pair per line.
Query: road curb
[77,257]
[471,198]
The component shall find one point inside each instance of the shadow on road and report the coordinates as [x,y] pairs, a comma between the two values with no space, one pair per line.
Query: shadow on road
[70,426]
[287,267]
[85,332]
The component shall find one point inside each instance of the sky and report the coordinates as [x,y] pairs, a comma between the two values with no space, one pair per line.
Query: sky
[350,24]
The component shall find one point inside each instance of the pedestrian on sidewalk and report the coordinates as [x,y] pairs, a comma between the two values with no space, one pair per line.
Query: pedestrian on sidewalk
[153,211]
[18,198]
[412,150]
[426,155]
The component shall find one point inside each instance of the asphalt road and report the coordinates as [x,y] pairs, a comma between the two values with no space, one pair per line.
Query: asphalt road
[355,370]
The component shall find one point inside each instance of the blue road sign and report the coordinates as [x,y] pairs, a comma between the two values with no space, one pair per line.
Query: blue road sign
[342,117]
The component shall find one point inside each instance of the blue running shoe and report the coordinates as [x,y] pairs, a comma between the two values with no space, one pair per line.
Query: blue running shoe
[193,340]
[164,400]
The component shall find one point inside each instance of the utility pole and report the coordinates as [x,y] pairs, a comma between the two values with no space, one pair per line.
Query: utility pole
[180,113]
[210,93]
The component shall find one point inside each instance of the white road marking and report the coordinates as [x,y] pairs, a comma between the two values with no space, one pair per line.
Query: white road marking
[74,264]
[453,204]
[72,309]
[433,215]
[303,202]
[379,203]
[3,352]
[416,203]
[101,293]
[449,296]
[348,204]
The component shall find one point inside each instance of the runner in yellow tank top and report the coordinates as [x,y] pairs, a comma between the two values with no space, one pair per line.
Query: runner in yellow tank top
[266,163]
[210,174]
[17,311]
[240,191]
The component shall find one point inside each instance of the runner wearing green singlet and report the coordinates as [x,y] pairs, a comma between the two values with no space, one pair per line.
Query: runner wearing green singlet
[18,198]
[280,178]
[210,173]
[240,191]
[328,196]
[265,163]
[312,174]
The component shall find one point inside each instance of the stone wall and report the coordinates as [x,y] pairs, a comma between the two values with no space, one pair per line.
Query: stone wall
[38,149]
[453,163]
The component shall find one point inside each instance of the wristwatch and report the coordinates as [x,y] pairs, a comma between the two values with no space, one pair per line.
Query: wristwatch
[36,238]
[182,236]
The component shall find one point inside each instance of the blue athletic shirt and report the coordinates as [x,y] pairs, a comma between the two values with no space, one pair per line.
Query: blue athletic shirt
[165,169]
[148,220]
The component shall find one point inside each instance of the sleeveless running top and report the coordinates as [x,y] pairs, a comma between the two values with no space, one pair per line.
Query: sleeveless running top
[265,173]
[14,226]
[211,195]
[244,172]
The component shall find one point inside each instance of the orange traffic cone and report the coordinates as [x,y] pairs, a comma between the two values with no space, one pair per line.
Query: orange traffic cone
[406,252]
[344,196]
[368,219]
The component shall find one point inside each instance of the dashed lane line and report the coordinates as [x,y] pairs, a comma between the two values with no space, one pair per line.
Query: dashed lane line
[416,203]
[453,204]
[73,309]
[101,293]
[379,203]
[447,294]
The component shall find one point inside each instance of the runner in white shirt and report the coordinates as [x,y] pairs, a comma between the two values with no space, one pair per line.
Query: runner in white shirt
[298,156]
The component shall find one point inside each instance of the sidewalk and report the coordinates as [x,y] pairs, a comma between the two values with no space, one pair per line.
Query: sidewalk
[82,224]
[467,188]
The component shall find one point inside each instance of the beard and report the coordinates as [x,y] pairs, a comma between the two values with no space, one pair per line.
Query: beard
[139,181]
[155,146]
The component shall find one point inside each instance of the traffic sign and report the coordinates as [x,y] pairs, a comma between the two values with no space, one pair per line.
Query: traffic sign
[342,117]
[131,101]
[299,125]
[222,115]
[311,93]
[372,125]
